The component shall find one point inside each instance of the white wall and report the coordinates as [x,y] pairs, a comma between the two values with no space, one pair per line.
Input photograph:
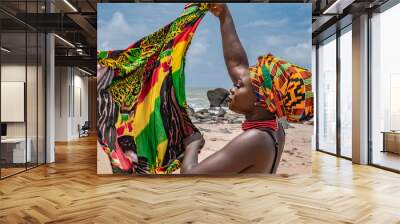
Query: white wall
[80,85]
[61,103]
[70,83]
[13,73]
[10,73]
[33,127]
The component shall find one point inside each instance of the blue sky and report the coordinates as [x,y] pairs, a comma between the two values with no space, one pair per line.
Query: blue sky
[282,29]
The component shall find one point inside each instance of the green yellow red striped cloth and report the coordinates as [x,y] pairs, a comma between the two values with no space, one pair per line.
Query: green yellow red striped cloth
[142,108]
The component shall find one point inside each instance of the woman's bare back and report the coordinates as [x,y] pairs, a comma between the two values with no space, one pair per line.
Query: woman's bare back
[268,162]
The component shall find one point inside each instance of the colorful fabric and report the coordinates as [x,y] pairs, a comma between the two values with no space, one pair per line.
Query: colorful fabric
[142,108]
[283,88]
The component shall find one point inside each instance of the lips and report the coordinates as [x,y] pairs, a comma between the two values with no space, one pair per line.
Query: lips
[229,99]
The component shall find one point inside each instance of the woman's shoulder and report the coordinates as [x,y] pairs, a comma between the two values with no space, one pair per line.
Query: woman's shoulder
[254,139]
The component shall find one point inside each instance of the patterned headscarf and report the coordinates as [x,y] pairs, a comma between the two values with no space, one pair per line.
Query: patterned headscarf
[283,88]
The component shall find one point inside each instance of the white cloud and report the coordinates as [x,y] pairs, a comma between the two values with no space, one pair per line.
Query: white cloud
[166,4]
[276,39]
[105,45]
[199,46]
[267,23]
[118,22]
[293,48]
[299,54]
[117,33]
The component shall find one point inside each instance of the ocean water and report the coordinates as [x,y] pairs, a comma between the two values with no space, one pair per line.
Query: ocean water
[197,98]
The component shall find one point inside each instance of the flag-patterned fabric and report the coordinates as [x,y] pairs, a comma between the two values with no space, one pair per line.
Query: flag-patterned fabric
[142,108]
[283,88]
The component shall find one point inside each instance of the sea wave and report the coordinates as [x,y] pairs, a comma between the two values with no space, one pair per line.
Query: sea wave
[197,106]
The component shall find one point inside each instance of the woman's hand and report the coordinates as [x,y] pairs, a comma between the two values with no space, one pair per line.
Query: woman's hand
[193,145]
[217,9]
[194,142]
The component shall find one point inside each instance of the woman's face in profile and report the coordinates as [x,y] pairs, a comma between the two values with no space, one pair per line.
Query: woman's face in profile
[242,96]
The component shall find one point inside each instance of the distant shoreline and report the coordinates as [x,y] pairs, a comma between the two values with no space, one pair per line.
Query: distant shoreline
[196,97]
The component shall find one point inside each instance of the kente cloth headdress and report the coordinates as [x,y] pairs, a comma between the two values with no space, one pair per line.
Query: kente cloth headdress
[283,88]
[142,108]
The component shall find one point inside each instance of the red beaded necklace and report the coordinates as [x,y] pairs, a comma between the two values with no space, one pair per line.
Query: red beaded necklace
[272,124]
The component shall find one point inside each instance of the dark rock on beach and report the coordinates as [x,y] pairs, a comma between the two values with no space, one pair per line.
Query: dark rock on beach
[203,111]
[216,114]
[221,112]
[218,97]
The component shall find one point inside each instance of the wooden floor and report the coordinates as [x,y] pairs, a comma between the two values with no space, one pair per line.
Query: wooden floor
[5,172]
[69,191]
[10,171]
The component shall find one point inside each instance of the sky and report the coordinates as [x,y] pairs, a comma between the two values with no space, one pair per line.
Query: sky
[282,29]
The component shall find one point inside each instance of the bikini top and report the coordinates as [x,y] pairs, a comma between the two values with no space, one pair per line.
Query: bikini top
[269,126]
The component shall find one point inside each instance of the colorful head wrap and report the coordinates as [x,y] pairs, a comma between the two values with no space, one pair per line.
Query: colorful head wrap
[283,88]
[142,108]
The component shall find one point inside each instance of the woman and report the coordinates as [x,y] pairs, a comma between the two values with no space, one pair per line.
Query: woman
[259,147]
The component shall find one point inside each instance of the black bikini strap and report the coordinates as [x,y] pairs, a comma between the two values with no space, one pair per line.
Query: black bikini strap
[276,149]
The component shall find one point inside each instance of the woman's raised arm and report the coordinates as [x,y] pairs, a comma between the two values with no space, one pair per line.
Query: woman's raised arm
[234,54]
